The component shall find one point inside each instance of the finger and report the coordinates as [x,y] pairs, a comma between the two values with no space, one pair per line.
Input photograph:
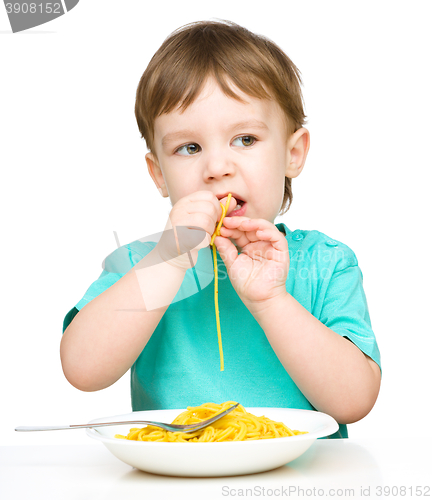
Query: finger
[265,231]
[233,224]
[240,230]
[203,196]
[254,230]
[202,206]
[275,237]
[240,237]
[246,223]
[227,251]
[232,233]
[232,203]
[234,221]
[196,213]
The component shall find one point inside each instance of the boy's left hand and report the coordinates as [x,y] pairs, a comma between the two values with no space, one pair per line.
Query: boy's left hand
[258,274]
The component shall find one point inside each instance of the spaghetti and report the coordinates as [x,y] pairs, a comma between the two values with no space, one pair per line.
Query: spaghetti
[239,425]
[217,233]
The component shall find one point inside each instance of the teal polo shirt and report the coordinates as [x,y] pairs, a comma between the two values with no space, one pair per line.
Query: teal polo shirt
[180,365]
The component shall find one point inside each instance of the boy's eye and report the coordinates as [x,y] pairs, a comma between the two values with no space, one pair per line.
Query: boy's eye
[245,140]
[188,149]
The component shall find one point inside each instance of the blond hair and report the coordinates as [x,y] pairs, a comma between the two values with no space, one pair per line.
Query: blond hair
[230,54]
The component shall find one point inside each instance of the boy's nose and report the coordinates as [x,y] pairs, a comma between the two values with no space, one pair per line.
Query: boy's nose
[218,165]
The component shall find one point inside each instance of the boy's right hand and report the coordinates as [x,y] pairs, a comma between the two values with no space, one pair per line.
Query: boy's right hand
[191,224]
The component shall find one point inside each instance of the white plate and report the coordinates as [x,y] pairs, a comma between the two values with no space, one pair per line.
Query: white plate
[214,459]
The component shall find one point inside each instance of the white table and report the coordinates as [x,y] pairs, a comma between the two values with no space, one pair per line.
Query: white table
[344,468]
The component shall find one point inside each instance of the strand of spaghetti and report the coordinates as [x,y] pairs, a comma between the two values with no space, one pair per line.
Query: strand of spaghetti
[217,233]
[219,333]
[224,211]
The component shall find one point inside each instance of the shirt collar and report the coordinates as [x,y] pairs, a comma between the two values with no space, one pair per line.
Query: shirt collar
[283,228]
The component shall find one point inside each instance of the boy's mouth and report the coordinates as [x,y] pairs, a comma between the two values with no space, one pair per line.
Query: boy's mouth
[240,208]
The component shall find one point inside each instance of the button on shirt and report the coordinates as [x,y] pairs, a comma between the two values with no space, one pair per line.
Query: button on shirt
[331,243]
[180,365]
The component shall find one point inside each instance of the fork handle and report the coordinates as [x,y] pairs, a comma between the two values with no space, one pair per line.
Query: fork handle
[56,428]
[80,426]
[167,427]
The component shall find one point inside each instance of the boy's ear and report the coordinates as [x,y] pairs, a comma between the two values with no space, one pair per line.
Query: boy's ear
[297,150]
[156,173]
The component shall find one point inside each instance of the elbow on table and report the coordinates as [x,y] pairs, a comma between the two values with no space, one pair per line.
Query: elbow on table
[77,380]
[80,383]
[360,405]
[351,415]
[76,374]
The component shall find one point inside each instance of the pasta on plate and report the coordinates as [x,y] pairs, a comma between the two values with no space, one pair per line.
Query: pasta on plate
[239,425]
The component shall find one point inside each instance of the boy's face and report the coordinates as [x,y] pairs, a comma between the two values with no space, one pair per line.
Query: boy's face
[225,146]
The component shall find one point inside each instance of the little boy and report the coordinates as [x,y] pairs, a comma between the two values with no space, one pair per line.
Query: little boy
[221,112]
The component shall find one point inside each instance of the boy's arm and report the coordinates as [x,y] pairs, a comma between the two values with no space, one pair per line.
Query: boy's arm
[109,333]
[333,373]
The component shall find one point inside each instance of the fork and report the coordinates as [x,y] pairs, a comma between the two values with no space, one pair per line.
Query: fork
[167,427]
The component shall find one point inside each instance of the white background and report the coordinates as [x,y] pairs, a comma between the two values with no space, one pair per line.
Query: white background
[73,171]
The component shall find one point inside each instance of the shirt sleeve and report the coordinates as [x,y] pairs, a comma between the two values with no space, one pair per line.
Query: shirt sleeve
[115,266]
[345,311]
[69,317]
[123,259]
